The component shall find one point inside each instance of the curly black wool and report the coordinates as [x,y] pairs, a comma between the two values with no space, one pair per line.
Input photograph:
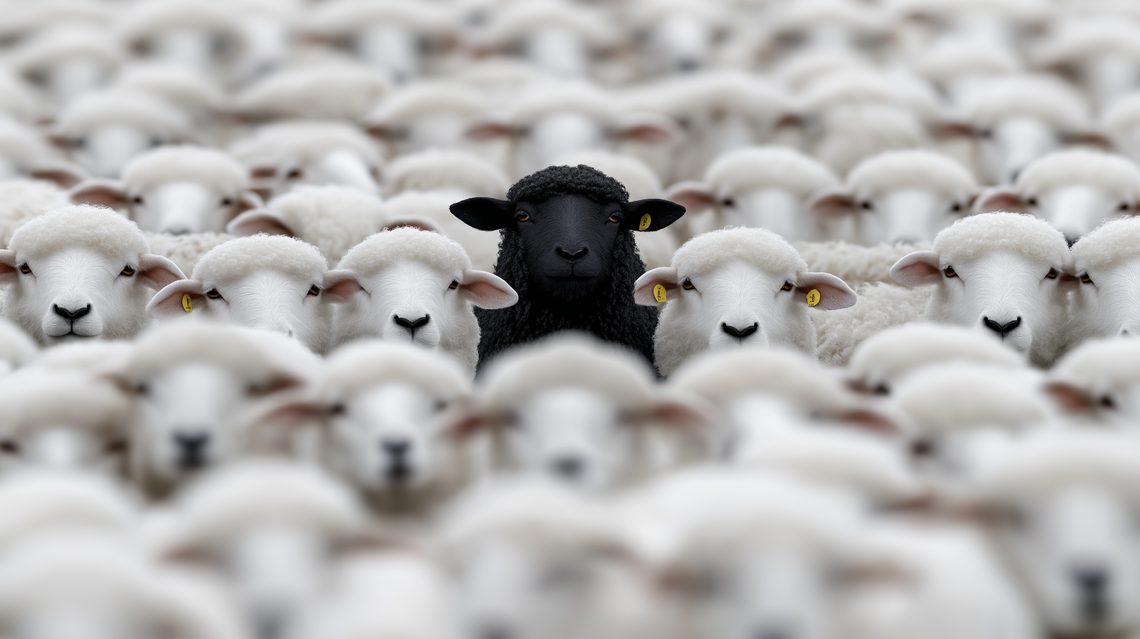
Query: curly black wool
[567,180]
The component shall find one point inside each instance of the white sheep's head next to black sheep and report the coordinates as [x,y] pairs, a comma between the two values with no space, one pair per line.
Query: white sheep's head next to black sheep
[81,271]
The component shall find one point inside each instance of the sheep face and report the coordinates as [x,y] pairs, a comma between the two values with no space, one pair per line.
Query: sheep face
[680,44]
[105,150]
[1107,301]
[1021,301]
[392,47]
[337,167]
[76,292]
[64,447]
[1074,209]
[176,208]
[1008,146]
[902,216]
[777,209]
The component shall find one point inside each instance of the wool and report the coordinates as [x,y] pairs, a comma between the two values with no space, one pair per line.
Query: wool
[973,237]
[80,225]
[140,110]
[768,167]
[339,90]
[233,260]
[1115,175]
[185,163]
[425,99]
[759,247]
[915,169]
[23,200]
[440,169]
[387,248]
[365,364]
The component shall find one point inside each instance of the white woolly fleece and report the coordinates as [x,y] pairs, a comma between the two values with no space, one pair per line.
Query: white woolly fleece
[91,356]
[332,90]
[1101,365]
[185,250]
[540,101]
[185,163]
[32,502]
[17,348]
[368,363]
[1116,175]
[438,169]
[1122,114]
[726,91]
[154,17]
[184,87]
[239,257]
[1042,97]
[332,218]
[759,247]
[895,352]
[957,396]
[481,246]
[769,167]
[34,399]
[65,42]
[140,110]
[425,99]
[910,169]
[853,263]
[22,145]
[855,87]
[880,306]
[22,200]
[1032,238]
[92,227]
[638,178]
[305,141]
[403,245]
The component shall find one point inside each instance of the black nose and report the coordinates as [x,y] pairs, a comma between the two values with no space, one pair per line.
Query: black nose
[1094,584]
[1071,240]
[397,448]
[572,256]
[412,325]
[192,449]
[1001,329]
[69,313]
[740,333]
[568,467]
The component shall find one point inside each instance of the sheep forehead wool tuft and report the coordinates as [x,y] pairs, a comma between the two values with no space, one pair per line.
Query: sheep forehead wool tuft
[952,60]
[519,20]
[730,91]
[1114,174]
[569,359]
[771,167]
[546,99]
[247,352]
[186,163]
[366,364]
[151,18]
[237,258]
[1108,245]
[1123,113]
[321,90]
[79,225]
[22,200]
[932,398]
[1101,364]
[1086,38]
[759,247]
[899,350]
[554,181]
[1043,98]
[345,18]
[306,141]
[182,86]
[978,235]
[131,108]
[34,398]
[442,169]
[638,178]
[332,217]
[405,244]
[895,170]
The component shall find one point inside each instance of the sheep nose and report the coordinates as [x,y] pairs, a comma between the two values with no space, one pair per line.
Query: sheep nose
[689,65]
[568,467]
[1071,240]
[1001,329]
[1093,584]
[412,325]
[71,314]
[740,333]
[397,448]
[572,256]
[191,449]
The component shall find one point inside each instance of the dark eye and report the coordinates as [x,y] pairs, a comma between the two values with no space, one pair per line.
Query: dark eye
[1031,201]
[117,447]
[1052,274]
[294,174]
[1085,279]
[454,285]
[687,284]
[227,201]
[615,218]
[78,143]
[787,286]
[522,217]
[337,408]
[213,294]
[138,199]
[9,446]
[523,131]
[956,207]
[728,201]
[25,269]
[440,405]
[1123,206]
[985,134]
[924,448]
[314,290]
[127,271]
[866,205]
[142,389]
[950,272]
[1106,402]
[156,142]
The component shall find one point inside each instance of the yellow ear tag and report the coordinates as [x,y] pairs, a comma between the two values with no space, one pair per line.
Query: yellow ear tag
[659,293]
[645,222]
[187,303]
[813,297]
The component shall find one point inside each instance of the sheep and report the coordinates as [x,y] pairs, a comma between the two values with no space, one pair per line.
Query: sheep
[185,250]
[37,502]
[176,190]
[982,23]
[734,287]
[759,187]
[184,33]
[332,218]
[885,359]
[1099,51]
[23,200]
[281,156]
[20,101]
[17,348]
[1120,121]
[432,211]
[587,286]
[98,358]
[680,36]
[1097,382]
[81,271]
[999,272]
[900,197]
[445,170]
[105,130]
[25,155]
[583,412]
[880,306]
[268,282]
[854,263]
[196,93]
[319,91]
[415,286]
[195,389]
[1074,190]
[68,60]
[423,116]
[961,69]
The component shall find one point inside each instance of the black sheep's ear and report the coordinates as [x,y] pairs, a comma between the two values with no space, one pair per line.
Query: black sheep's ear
[651,215]
[484,213]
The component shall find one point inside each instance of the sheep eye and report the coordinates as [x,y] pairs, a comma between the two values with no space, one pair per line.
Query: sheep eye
[728,202]
[923,448]
[440,405]
[1052,274]
[950,272]
[25,269]
[293,174]
[314,290]
[1106,402]
[9,446]
[154,142]
[454,285]
[142,389]
[956,207]
[227,201]
[1123,206]
[127,271]
[117,447]
[687,284]
[337,409]
[787,286]
[138,199]
[78,143]
[615,218]
[522,217]
[1085,279]
[985,134]
[1031,201]
[866,205]
[213,294]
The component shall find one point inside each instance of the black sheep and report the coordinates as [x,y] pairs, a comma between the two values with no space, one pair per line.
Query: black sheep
[567,248]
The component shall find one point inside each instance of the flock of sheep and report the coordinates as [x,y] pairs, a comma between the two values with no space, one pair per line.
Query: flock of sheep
[284,355]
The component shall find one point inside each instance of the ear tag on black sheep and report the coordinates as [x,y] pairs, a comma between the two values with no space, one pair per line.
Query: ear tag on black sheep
[187,303]
[813,297]
[644,224]
[659,293]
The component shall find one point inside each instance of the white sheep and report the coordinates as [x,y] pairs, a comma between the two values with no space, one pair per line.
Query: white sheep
[880,306]
[416,286]
[81,271]
[899,197]
[269,282]
[17,348]
[198,94]
[25,154]
[425,115]
[1098,382]
[1099,51]
[176,190]
[460,173]
[842,26]
[319,91]
[431,211]
[854,263]
[36,502]
[22,200]
[1120,123]
[284,155]
[999,272]
[185,250]
[183,33]
[961,68]
[761,187]
[1074,190]
[733,287]
[68,60]
[680,36]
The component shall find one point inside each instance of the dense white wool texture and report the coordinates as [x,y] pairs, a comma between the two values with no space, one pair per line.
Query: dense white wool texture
[34,399]
[895,352]
[233,260]
[65,42]
[481,246]
[80,225]
[22,200]
[911,169]
[1101,365]
[568,360]
[962,395]
[1111,243]
[185,163]
[365,364]
[332,218]
[324,90]
[91,356]
[32,502]
[516,21]
[728,91]
[564,97]
[769,167]
[948,61]
[425,99]
[17,348]
[1115,175]
[387,248]
[880,306]
[304,141]
[638,178]
[185,250]
[854,263]
[437,169]
[759,247]
[973,237]
[140,110]
[1044,98]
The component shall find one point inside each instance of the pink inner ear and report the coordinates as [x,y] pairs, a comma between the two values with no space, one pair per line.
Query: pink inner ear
[833,204]
[647,133]
[693,198]
[1071,400]
[258,221]
[99,194]
[158,271]
[950,130]
[643,295]
[64,178]
[490,131]
[482,292]
[999,200]
[170,302]
[917,269]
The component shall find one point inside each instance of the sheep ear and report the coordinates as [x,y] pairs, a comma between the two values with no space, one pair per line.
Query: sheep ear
[693,195]
[484,213]
[490,130]
[8,271]
[648,128]
[158,270]
[920,268]
[999,198]
[99,191]
[486,290]
[833,293]
[831,201]
[340,286]
[1090,138]
[1070,398]
[248,201]
[463,419]
[951,130]
[644,289]
[63,173]
[651,214]
[258,221]
[415,223]
[171,302]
